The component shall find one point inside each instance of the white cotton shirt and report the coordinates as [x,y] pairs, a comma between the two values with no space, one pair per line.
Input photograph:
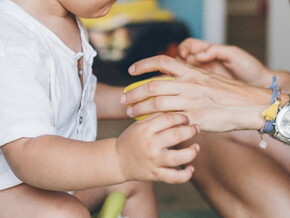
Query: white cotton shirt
[40,91]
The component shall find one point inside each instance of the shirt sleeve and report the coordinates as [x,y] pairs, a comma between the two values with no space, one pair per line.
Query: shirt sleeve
[25,106]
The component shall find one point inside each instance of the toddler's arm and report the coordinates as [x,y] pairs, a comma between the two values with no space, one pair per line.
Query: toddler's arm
[57,163]
[142,152]
[108,102]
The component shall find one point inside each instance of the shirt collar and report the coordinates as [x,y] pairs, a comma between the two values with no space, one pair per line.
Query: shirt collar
[36,26]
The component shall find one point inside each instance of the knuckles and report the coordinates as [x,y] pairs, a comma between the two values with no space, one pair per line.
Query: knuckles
[169,118]
[158,103]
[132,97]
[152,87]
[163,59]
[143,129]
[177,135]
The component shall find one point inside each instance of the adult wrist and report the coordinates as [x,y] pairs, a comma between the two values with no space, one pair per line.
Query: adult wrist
[284,99]
[249,118]
[250,115]
[266,78]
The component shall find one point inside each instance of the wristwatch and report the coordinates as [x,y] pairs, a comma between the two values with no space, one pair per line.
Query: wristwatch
[282,125]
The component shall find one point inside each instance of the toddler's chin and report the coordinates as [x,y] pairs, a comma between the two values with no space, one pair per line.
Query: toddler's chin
[95,13]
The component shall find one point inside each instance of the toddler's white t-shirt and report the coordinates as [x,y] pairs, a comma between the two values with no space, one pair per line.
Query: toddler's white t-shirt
[40,90]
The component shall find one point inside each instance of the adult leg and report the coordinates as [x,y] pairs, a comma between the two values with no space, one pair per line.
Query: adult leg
[140,196]
[26,201]
[240,179]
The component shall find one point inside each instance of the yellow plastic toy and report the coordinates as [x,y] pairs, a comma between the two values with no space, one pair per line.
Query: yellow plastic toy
[113,206]
[140,83]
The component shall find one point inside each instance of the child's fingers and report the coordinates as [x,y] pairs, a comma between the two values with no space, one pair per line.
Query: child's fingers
[174,176]
[174,158]
[166,121]
[162,63]
[173,136]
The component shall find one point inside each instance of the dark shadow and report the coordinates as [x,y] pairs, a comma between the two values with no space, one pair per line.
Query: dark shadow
[146,40]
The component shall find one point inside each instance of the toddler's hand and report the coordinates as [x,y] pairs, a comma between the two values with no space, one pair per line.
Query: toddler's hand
[145,149]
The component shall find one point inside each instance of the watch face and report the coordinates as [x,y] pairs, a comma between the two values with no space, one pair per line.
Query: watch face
[283,122]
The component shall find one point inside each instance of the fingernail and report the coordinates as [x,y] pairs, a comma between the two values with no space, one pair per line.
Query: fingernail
[197,148]
[130,112]
[192,169]
[123,99]
[197,128]
[132,69]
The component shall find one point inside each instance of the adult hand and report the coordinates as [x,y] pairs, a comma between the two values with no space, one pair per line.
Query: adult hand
[144,150]
[225,60]
[212,101]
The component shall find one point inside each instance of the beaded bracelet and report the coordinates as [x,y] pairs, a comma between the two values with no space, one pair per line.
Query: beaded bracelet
[263,144]
[271,112]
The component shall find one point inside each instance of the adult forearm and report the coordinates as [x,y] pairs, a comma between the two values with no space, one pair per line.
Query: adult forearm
[56,163]
[283,79]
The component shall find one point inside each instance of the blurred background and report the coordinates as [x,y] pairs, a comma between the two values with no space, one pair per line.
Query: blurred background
[136,29]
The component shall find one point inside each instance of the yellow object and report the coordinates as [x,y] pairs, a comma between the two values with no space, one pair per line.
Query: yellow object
[128,12]
[271,112]
[140,83]
[113,205]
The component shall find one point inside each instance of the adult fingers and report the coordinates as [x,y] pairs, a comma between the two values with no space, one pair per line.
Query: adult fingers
[150,89]
[160,63]
[158,104]
[191,46]
[174,158]
[192,60]
[218,52]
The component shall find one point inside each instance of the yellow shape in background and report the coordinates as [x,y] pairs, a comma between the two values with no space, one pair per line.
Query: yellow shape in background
[129,12]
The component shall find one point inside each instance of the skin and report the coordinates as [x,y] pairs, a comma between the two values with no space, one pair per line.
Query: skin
[223,88]
[196,93]
[210,82]
[94,169]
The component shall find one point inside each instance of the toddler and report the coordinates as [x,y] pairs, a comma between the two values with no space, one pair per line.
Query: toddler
[48,121]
